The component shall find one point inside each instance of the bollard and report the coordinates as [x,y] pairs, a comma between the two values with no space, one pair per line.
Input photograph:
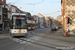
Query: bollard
[66,34]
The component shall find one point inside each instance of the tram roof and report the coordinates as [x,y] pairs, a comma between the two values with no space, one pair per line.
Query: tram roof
[18,14]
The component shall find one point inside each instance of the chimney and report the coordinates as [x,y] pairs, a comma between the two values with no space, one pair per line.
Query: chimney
[4,1]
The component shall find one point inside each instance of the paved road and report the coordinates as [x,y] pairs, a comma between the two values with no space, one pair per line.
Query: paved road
[36,40]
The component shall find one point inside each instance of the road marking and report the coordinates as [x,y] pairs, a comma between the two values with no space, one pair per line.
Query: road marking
[64,47]
[28,39]
[28,43]
[36,39]
[23,42]
[32,41]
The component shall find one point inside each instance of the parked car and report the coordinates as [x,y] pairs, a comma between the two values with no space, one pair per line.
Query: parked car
[54,28]
[47,26]
[57,27]
[42,27]
[60,27]
[36,27]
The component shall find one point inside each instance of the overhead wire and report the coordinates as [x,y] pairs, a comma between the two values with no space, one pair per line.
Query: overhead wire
[55,2]
[33,8]
[51,13]
[16,1]
[39,2]
[35,4]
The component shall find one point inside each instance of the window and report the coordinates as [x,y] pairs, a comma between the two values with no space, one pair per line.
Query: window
[0,17]
[19,22]
[13,9]
[7,8]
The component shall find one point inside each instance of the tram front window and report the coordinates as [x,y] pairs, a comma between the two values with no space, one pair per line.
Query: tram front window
[19,23]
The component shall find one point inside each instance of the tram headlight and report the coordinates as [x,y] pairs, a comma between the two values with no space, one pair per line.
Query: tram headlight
[24,31]
[14,31]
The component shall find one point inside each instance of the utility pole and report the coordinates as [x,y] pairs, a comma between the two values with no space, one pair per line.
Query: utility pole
[63,2]
[64,18]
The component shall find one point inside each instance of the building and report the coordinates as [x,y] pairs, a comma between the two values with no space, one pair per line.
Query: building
[1,20]
[4,22]
[47,19]
[57,23]
[6,11]
[3,2]
[41,20]
[68,16]
[44,22]
[12,9]
[36,20]
[59,18]
[53,22]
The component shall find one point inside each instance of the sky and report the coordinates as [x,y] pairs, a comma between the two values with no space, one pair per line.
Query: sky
[50,8]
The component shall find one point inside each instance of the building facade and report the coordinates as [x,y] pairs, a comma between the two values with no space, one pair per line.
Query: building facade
[59,18]
[47,19]
[41,20]
[12,9]
[36,20]
[1,20]
[4,14]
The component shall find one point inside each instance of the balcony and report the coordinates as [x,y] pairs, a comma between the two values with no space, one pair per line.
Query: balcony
[6,20]
[5,11]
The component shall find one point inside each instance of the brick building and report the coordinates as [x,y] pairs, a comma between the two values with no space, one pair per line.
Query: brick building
[4,21]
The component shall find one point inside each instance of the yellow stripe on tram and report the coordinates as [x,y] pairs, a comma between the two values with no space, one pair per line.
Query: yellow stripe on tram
[19,31]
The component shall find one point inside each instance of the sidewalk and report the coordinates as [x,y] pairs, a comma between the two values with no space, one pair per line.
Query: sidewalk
[4,34]
[57,35]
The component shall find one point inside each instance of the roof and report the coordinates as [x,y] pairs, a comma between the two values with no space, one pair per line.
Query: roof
[32,16]
[40,15]
[13,5]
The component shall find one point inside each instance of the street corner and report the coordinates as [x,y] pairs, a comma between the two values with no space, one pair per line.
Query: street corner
[60,33]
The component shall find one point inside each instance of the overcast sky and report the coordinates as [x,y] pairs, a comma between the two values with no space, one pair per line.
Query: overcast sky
[45,7]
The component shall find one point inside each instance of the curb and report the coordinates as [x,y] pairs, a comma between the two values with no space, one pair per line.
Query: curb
[4,35]
[62,38]
[2,38]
